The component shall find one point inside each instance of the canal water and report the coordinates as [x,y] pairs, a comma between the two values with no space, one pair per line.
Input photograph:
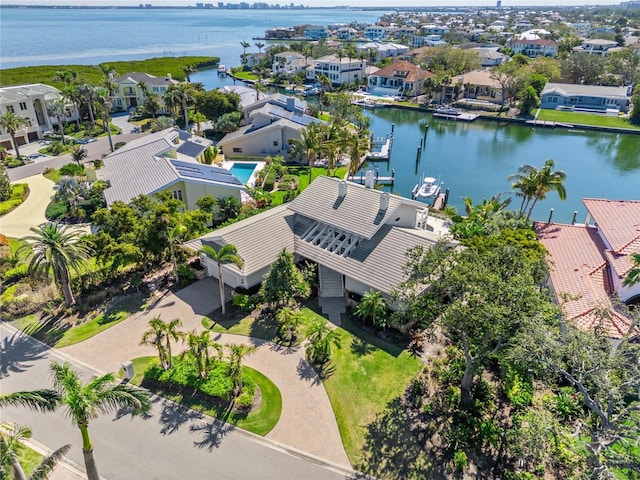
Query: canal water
[475,159]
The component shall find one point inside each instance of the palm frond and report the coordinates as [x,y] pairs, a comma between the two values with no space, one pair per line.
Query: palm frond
[43,470]
[44,400]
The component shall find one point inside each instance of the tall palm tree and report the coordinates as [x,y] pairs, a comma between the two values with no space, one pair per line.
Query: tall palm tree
[84,402]
[10,445]
[105,102]
[237,352]
[307,145]
[67,76]
[357,146]
[188,70]
[175,236]
[633,277]
[226,254]
[89,94]
[56,109]
[245,45]
[160,335]
[330,143]
[547,180]
[371,306]
[109,71]
[70,93]
[11,123]
[199,347]
[524,182]
[57,250]
[182,95]
[321,338]
[259,45]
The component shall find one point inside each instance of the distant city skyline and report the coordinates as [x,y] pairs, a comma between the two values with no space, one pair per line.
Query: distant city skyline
[391,4]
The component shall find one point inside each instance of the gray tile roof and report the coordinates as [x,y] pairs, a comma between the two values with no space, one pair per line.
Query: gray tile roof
[358,212]
[252,129]
[191,149]
[259,239]
[138,77]
[569,89]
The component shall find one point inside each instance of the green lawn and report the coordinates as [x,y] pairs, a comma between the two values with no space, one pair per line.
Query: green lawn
[54,175]
[260,421]
[252,327]
[367,376]
[246,75]
[30,459]
[577,118]
[59,337]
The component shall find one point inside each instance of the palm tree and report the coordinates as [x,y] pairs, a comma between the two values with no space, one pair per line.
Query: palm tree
[105,101]
[245,45]
[182,95]
[290,320]
[84,402]
[109,72]
[260,88]
[371,306]
[307,145]
[357,146]
[330,143]
[633,277]
[57,250]
[175,237]
[11,123]
[259,45]
[199,347]
[236,355]
[43,400]
[57,109]
[547,180]
[71,94]
[188,70]
[67,190]
[160,335]
[226,254]
[321,337]
[10,445]
[524,182]
[78,153]
[66,76]
[89,93]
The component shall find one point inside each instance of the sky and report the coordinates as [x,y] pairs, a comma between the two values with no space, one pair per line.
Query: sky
[321,3]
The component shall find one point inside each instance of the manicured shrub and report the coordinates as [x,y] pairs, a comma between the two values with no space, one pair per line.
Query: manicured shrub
[56,210]
[460,461]
[17,273]
[119,145]
[6,207]
[72,170]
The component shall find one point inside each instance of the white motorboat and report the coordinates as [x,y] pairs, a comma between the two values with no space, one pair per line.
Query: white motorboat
[430,188]
[447,111]
[222,69]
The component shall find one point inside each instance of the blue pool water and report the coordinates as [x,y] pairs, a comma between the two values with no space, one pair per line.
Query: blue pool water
[243,171]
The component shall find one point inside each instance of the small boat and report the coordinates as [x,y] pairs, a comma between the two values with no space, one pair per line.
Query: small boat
[222,70]
[447,111]
[309,91]
[430,188]
[291,88]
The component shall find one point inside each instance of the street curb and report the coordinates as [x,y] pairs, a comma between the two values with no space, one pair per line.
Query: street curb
[274,445]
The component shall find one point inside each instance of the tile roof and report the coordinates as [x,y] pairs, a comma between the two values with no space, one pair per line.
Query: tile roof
[252,129]
[138,77]
[477,77]
[19,93]
[358,212]
[569,89]
[414,72]
[581,278]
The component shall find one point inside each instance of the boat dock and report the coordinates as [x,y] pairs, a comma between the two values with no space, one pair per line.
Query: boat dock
[547,124]
[384,146]
[361,179]
[463,117]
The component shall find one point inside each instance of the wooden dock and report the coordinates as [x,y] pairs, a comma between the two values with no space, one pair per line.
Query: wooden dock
[547,124]
[463,117]
[382,155]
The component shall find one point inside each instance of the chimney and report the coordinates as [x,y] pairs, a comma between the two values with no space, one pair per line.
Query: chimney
[342,189]
[169,76]
[369,179]
[291,104]
[384,201]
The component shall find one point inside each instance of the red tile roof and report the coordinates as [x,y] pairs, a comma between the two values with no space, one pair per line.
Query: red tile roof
[413,72]
[581,277]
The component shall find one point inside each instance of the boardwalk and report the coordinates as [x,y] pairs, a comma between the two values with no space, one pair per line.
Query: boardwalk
[463,117]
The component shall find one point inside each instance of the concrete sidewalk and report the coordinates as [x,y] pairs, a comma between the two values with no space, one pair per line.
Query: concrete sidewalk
[307,422]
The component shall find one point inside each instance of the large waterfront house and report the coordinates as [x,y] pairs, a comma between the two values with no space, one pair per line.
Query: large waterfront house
[270,127]
[589,263]
[376,33]
[358,237]
[586,98]
[474,86]
[131,89]
[538,47]
[289,62]
[382,50]
[338,69]
[399,78]
[31,103]
[315,32]
[597,46]
[168,160]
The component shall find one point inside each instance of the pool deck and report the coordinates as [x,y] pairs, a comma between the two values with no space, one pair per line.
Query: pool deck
[259,166]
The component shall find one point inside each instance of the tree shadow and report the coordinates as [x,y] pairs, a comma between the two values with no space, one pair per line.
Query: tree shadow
[49,331]
[391,451]
[212,433]
[307,372]
[17,353]
[174,415]
[361,347]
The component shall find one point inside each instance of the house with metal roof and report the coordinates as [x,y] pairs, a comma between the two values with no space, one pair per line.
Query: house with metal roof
[588,264]
[358,236]
[271,127]
[131,89]
[568,96]
[164,161]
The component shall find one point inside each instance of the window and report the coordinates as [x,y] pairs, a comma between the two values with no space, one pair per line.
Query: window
[23,106]
[177,194]
[275,143]
[11,109]
[237,149]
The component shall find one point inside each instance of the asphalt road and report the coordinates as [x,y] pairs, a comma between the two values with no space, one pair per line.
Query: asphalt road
[95,150]
[171,443]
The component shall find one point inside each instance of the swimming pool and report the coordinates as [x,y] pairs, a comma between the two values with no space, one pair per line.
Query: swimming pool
[243,171]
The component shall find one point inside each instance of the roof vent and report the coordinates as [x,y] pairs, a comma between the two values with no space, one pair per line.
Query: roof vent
[384,201]
[342,189]
[291,104]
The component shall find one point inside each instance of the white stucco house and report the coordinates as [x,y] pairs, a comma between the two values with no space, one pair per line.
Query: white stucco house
[338,70]
[129,91]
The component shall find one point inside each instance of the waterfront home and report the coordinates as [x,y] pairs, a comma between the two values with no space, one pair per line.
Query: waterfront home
[436,29]
[254,59]
[165,161]
[589,263]
[400,78]
[597,46]
[358,237]
[346,34]
[289,62]
[490,57]
[588,98]
[382,50]
[31,102]
[338,69]
[534,48]
[289,103]
[376,33]
[247,95]
[477,85]
[270,129]
[315,32]
[131,88]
